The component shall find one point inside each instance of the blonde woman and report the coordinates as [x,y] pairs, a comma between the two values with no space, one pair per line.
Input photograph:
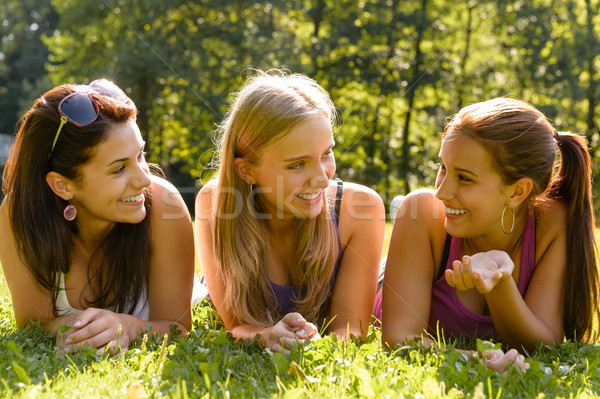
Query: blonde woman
[284,248]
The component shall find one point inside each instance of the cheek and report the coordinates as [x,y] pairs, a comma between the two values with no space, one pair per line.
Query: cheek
[330,168]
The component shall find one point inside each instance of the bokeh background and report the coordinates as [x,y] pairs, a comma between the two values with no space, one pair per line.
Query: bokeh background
[395,69]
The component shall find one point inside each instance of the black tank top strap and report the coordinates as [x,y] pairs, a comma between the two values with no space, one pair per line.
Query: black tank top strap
[445,255]
[338,200]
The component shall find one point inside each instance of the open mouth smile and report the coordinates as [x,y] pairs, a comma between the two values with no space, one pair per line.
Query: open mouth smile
[453,211]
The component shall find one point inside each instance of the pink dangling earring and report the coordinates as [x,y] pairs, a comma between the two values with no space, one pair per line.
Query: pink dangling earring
[70,212]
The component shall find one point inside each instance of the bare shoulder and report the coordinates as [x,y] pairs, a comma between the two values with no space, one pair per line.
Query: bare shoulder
[421,216]
[363,192]
[551,221]
[356,194]
[204,198]
[358,202]
[166,200]
[421,204]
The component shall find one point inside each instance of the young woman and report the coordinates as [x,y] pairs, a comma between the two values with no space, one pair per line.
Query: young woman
[90,239]
[283,247]
[505,246]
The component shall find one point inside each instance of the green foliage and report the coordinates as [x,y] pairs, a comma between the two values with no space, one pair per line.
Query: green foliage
[395,69]
[22,56]
[208,362]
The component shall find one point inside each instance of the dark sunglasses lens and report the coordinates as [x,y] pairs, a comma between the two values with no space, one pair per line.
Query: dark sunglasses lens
[80,109]
[108,88]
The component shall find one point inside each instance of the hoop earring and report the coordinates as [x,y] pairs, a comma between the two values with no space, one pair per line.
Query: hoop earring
[513,220]
[70,212]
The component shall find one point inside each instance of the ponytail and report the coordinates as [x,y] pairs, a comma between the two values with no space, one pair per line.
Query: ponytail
[573,185]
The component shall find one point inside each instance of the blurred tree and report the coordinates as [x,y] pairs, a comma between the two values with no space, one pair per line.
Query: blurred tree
[395,69]
[22,56]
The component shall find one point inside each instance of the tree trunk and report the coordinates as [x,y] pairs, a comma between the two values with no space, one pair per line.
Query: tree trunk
[465,56]
[591,91]
[316,14]
[143,107]
[411,96]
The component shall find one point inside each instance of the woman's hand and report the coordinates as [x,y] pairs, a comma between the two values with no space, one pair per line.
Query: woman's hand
[289,332]
[99,328]
[482,271]
[497,360]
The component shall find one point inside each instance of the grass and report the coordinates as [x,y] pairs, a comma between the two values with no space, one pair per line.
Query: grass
[209,363]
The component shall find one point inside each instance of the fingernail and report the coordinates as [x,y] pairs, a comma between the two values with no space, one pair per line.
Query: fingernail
[300,320]
[77,323]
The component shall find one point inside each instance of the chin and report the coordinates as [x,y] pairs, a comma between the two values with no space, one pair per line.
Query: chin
[138,218]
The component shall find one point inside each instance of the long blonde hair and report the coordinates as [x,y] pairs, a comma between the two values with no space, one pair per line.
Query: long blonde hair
[267,109]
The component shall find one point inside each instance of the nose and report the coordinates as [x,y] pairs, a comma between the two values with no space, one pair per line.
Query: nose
[443,190]
[321,177]
[141,179]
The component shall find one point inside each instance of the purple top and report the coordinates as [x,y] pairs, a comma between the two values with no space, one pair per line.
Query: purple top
[446,308]
[285,294]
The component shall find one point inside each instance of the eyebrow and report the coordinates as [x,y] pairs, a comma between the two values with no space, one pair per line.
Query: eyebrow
[304,156]
[458,169]
[118,160]
[467,171]
[127,158]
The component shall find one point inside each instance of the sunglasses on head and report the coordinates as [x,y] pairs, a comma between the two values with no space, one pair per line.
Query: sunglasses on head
[81,109]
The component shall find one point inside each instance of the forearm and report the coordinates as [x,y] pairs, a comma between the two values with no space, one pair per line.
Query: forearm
[516,325]
[247,331]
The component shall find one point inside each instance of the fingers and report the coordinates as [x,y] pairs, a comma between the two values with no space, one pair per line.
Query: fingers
[461,274]
[86,317]
[449,275]
[286,338]
[308,331]
[294,320]
[497,360]
[467,269]
[517,360]
[98,331]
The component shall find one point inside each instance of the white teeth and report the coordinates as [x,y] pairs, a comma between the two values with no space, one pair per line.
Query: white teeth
[307,196]
[133,198]
[453,211]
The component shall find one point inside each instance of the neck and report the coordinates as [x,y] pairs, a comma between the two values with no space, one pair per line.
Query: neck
[91,235]
[498,239]
[281,227]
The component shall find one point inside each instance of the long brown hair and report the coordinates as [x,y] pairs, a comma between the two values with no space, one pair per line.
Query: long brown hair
[43,237]
[523,143]
[267,108]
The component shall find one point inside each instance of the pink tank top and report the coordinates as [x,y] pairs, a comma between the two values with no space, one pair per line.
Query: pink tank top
[454,319]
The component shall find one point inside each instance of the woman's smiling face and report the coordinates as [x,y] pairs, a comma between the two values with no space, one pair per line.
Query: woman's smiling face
[114,180]
[293,173]
[473,193]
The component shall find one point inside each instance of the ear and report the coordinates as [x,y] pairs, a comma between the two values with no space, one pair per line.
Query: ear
[520,191]
[244,170]
[60,185]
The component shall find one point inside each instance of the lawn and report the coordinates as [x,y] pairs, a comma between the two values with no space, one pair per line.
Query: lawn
[208,363]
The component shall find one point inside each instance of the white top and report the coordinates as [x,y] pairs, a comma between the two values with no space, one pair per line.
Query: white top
[142,310]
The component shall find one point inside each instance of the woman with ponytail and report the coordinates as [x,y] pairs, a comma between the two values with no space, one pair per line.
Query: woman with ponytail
[90,239]
[284,248]
[505,246]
